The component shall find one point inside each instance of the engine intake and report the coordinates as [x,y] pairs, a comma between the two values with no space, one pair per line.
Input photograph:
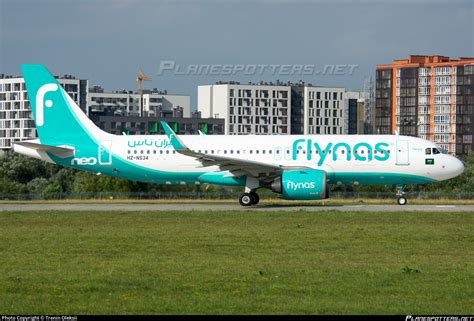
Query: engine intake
[302,185]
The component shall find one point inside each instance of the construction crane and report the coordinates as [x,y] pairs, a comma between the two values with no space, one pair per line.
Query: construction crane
[140,78]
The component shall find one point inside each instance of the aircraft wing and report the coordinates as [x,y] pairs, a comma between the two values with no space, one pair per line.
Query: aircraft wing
[236,167]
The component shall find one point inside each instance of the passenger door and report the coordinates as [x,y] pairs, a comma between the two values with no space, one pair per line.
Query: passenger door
[403,157]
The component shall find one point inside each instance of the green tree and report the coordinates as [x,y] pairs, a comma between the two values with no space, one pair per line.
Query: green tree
[37,185]
[21,169]
[64,179]
[8,186]
[85,182]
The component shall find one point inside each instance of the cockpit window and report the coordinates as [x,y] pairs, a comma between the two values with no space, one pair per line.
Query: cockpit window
[428,151]
[436,151]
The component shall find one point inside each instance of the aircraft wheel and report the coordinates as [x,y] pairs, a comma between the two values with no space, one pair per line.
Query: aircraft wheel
[401,200]
[255,198]
[245,199]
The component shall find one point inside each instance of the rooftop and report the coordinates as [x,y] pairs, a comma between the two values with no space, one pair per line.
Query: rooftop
[421,60]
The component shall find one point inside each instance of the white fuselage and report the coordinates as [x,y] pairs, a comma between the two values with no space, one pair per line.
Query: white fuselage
[407,155]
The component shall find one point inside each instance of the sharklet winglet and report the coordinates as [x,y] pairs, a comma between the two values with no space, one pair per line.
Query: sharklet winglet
[175,141]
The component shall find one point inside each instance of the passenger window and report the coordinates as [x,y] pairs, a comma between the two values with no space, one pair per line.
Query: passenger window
[128,151]
[428,151]
[148,151]
[141,152]
[225,151]
[256,152]
[212,152]
[238,151]
[174,152]
[167,152]
[251,151]
[436,151]
[154,152]
[134,151]
[270,151]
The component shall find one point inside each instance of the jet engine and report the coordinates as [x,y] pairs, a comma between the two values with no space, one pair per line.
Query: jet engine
[302,185]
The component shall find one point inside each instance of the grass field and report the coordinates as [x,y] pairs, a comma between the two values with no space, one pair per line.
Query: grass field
[236,262]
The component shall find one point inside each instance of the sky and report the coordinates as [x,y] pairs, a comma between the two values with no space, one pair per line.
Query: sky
[107,41]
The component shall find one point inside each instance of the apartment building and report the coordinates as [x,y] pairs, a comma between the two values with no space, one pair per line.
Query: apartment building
[128,102]
[16,120]
[259,109]
[431,97]
[274,108]
[318,110]
[110,122]
[356,114]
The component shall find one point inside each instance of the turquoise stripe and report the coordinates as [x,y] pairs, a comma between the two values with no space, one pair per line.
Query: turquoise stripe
[378,178]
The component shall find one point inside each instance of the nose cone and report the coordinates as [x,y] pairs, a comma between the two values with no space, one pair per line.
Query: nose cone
[457,167]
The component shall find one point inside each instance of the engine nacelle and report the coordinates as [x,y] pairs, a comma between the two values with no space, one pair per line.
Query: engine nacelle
[302,185]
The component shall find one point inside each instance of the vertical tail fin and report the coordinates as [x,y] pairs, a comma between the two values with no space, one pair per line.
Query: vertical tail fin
[57,117]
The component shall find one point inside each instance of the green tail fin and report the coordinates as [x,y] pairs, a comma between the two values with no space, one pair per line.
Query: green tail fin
[57,117]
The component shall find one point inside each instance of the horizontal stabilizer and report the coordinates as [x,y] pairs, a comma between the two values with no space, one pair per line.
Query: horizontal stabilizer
[60,151]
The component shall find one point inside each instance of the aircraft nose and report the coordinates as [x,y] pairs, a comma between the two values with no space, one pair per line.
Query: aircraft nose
[457,167]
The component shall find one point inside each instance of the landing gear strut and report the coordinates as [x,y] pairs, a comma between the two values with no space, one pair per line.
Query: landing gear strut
[401,199]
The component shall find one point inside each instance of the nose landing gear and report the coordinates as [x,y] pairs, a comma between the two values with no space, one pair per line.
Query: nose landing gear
[401,199]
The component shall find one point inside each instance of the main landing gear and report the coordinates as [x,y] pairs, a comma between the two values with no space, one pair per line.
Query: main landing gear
[247,199]
[401,199]
[250,197]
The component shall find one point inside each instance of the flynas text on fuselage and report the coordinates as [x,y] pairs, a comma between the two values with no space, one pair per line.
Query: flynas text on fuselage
[307,145]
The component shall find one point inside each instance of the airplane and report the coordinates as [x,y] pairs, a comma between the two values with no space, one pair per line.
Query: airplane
[298,167]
